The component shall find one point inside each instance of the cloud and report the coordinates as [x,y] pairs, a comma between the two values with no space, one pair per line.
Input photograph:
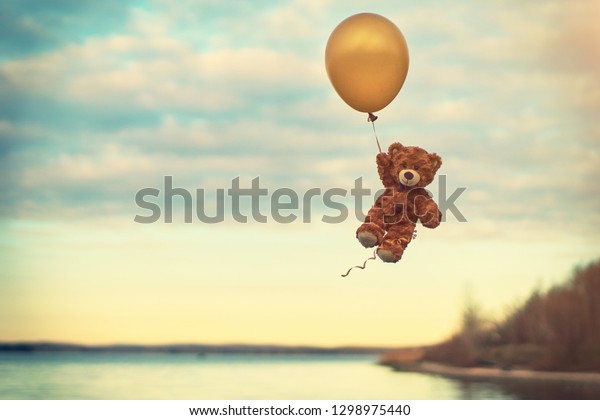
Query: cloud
[29,26]
[166,74]
[207,92]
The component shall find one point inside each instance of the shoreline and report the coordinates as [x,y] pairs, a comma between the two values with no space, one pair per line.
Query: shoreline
[493,373]
[203,349]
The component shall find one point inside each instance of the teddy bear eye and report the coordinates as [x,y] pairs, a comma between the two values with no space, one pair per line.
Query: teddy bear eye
[416,167]
[404,165]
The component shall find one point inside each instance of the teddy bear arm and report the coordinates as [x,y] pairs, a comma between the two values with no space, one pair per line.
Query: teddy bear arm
[427,211]
[383,168]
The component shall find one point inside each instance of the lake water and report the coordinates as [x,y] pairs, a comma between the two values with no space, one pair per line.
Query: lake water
[236,377]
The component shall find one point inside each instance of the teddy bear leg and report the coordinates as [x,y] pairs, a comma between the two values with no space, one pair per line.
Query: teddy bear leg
[395,242]
[371,232]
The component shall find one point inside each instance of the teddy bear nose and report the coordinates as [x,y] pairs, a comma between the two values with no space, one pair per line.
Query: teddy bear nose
[408,175]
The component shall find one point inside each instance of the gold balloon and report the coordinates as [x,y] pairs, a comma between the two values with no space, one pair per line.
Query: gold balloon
[366,60]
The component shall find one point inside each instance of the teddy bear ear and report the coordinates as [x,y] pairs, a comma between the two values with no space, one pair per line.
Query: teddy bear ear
[395,148]
[435,160]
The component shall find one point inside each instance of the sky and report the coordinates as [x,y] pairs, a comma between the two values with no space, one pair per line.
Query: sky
[99,100]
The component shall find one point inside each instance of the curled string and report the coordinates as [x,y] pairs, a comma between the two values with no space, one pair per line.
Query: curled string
[362,267]
[371,119]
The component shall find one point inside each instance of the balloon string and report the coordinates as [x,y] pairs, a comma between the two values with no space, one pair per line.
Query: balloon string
[362,267]
[372,119]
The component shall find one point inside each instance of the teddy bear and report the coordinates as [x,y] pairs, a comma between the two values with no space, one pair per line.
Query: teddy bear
[390,223]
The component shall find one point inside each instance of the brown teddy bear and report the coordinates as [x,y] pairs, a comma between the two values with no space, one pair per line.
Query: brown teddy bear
[390,223]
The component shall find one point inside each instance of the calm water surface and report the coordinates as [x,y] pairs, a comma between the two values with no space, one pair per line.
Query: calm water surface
[186,376]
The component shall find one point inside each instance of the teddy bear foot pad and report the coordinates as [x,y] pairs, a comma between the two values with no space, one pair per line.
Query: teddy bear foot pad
[367,239]
[386,255]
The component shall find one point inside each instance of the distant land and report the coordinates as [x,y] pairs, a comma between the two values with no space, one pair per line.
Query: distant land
[200,349]
[557,330]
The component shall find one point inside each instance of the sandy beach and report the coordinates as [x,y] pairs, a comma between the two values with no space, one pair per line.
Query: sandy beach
[411,360]
[497,373]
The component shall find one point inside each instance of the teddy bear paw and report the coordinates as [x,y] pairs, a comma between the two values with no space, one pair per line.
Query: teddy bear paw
[387,255]
[369,235]
[367,239]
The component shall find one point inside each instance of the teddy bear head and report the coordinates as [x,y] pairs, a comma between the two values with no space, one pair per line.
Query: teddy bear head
[408,167]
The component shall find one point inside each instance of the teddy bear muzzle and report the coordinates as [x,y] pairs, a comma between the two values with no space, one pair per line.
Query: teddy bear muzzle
[408,177]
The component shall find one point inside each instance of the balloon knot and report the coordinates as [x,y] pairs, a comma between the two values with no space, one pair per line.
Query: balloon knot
[372,117]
